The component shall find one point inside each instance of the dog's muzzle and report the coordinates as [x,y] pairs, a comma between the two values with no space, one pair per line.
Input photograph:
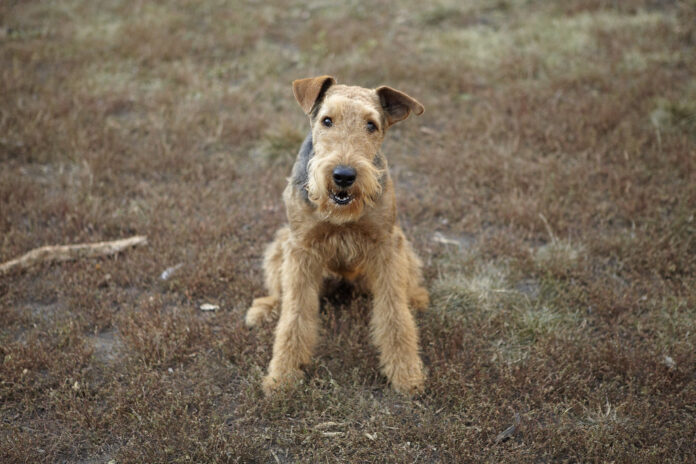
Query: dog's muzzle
[341,197]
[343,177]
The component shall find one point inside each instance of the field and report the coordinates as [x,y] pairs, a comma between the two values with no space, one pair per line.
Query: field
[550,188]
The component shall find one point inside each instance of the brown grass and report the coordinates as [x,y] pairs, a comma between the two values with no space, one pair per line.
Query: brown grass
[557,156]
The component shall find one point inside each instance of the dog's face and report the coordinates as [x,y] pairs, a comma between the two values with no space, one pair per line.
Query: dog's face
[346,173]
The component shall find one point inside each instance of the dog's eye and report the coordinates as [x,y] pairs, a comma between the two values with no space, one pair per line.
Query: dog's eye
[327,122]
[371,127]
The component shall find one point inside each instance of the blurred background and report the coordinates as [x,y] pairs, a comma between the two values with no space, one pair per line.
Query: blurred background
[550,188]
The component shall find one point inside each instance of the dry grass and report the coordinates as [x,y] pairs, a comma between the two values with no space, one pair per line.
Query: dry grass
[556,161]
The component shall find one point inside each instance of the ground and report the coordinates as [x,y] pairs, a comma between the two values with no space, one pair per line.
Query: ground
[550,189]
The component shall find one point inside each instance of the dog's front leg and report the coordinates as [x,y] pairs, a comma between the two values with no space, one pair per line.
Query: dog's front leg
[393,329]
[298,326]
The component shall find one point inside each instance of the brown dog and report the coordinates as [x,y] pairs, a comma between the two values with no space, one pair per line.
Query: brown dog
[341,211]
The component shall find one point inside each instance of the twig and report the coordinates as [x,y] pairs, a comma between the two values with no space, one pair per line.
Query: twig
[510,431]
[326,425]
[552,236]
[51,254]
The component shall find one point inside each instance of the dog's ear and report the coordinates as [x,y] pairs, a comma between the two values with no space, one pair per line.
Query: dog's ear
[397,105]
[308,92]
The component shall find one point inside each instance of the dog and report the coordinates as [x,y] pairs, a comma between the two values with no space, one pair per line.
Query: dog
[341,211]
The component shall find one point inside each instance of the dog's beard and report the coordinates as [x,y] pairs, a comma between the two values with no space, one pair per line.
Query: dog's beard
[337,204]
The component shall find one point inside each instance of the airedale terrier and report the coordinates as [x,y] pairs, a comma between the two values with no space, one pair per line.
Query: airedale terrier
[341,211]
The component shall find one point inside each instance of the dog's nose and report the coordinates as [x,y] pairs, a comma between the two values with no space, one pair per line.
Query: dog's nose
[344,176]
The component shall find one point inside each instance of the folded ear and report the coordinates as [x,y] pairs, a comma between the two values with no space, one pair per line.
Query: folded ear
[310,91]
[397,105]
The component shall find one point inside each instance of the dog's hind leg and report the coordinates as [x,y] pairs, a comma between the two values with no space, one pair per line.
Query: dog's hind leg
[418,297]
[263,308]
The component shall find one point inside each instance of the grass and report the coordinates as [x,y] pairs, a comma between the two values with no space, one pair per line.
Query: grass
[550,189]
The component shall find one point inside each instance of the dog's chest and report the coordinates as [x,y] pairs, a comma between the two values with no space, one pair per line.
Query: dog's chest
[343,248]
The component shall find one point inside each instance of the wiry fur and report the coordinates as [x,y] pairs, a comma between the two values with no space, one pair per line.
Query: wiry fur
[360,241]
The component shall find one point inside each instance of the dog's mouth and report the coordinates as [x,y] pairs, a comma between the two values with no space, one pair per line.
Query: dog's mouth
[342,197]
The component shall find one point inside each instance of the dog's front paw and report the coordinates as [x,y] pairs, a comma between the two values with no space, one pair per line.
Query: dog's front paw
[276,381]
[406,378]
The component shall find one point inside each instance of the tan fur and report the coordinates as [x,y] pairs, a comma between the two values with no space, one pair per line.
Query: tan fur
[358,241]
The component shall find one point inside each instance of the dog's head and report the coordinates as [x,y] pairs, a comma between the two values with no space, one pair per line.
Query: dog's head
[346,172]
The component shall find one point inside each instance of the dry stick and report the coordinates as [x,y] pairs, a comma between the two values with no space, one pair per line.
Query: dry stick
[57,253]
[552,236]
